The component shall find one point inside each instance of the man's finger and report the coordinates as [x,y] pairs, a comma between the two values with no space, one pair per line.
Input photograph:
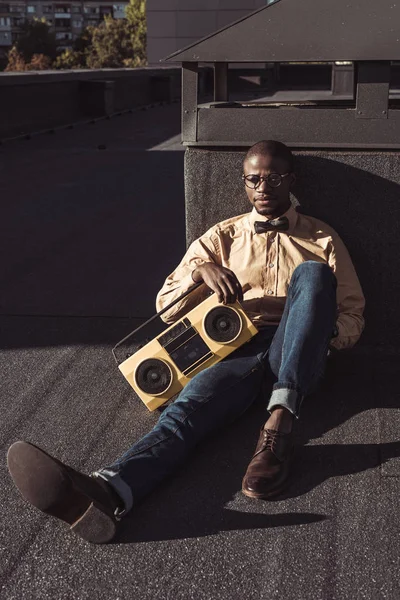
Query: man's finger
[226,292]
[232,289]
[220,292]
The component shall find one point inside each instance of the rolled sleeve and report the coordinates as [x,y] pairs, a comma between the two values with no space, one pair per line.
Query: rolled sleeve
[350,298]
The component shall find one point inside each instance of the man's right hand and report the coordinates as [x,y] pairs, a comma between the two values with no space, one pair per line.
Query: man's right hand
[220,280]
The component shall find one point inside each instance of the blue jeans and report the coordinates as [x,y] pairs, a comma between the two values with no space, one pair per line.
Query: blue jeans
[293,354]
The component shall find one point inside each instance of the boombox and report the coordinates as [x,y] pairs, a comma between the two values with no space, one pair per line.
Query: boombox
[203,337]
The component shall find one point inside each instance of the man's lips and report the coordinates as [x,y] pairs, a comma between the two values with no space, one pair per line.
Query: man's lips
[265,198]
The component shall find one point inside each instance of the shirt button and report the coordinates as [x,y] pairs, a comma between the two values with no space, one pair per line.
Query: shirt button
[271,265]
[270,292]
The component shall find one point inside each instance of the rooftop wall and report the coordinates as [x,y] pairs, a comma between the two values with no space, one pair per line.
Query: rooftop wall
[33,101]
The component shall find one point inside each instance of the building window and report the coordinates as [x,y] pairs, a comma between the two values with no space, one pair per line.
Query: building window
[17,8]
[30,9]
[47,8]
[63,36]
[89,10]
[76,9]
[77,24]
[64,23]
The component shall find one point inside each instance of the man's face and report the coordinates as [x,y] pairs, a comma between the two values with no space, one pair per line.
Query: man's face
[271,202]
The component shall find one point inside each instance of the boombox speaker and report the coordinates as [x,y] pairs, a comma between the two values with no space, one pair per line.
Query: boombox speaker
[203,337]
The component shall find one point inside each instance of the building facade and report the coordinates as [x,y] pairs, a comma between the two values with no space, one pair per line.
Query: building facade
[66,19]
[174,24]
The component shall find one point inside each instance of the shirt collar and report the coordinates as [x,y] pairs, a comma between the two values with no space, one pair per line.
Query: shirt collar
[291,214]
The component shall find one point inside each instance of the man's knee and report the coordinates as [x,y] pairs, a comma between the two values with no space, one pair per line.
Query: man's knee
[313,271]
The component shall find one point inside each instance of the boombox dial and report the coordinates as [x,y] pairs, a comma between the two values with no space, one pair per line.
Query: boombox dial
[223,324]
[153,376]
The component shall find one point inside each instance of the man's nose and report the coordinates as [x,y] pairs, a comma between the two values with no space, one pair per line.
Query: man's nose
[263,186]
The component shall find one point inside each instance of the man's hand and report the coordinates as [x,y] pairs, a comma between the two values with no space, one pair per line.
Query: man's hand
[220,280]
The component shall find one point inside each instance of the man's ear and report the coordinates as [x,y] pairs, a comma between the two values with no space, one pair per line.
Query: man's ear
[292,179]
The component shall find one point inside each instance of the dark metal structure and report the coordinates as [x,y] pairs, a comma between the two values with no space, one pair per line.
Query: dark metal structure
[365,32]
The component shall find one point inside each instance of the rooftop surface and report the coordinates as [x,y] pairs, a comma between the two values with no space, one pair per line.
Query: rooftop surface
[92,222]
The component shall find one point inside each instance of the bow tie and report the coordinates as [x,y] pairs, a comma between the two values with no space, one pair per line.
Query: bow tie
[281,224]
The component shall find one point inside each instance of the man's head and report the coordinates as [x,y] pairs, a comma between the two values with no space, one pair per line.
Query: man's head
[270,198]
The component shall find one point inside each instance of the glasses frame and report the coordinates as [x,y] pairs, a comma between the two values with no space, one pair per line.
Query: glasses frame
[244,177]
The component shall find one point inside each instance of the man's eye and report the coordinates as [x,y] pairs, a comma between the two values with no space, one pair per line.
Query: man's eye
[253,179]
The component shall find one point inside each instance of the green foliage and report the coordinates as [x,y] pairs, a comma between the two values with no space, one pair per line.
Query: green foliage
[115,43]
[36,38]
[136,17]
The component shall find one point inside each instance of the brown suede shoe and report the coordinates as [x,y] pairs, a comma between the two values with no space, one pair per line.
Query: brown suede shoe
[267,473]
[88,504]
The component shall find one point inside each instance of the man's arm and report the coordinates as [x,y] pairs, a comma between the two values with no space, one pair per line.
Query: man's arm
[200,263]
[350,298]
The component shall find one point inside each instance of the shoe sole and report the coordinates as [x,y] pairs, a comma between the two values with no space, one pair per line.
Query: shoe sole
[48,485]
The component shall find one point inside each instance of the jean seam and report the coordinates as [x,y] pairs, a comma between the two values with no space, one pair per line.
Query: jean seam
[207,400]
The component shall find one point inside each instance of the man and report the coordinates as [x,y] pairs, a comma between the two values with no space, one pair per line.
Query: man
[304,296]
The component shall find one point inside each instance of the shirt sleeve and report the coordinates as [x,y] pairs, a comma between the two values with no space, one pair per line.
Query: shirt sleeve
[179,281]
[349,295]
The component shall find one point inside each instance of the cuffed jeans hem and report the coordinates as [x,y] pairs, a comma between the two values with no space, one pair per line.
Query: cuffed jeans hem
[123,490]
[286,398]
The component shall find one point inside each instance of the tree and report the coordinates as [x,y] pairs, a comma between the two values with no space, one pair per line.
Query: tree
[136,17]
[16,62]
[36,38]
[114,43]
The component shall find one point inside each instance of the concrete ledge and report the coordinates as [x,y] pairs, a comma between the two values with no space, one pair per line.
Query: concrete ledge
[33,101]
[30,77]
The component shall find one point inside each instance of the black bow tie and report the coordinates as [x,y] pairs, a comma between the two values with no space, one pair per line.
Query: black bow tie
[281,224]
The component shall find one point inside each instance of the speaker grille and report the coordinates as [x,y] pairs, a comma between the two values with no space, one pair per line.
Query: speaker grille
[153,376]
[223,324]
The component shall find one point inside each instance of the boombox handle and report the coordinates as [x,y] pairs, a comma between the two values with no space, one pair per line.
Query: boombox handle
[194,287]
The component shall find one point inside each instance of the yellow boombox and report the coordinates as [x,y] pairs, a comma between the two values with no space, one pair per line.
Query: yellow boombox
[203,337]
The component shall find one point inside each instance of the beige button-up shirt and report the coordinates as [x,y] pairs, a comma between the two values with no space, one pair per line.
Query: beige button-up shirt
[265,262]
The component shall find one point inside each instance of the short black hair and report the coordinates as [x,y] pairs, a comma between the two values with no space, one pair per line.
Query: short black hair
[273,148]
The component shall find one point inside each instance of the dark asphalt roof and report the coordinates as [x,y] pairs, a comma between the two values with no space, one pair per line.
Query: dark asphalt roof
[81,233]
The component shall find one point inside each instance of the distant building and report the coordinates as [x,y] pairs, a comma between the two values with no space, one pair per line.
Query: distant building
[174,24]
[66,19]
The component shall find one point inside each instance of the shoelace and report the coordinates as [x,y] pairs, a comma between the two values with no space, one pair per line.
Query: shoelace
[270,439]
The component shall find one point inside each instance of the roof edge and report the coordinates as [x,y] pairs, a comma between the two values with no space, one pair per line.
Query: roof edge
[170,57]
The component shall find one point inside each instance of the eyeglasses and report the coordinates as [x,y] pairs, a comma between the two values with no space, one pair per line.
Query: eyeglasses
[274,180]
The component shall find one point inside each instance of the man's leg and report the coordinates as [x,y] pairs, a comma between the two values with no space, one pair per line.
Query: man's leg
[90,505]
[216,396]
[297,358]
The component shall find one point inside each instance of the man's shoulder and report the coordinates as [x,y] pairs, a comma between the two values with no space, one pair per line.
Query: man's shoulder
[309,225]
[231,225]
